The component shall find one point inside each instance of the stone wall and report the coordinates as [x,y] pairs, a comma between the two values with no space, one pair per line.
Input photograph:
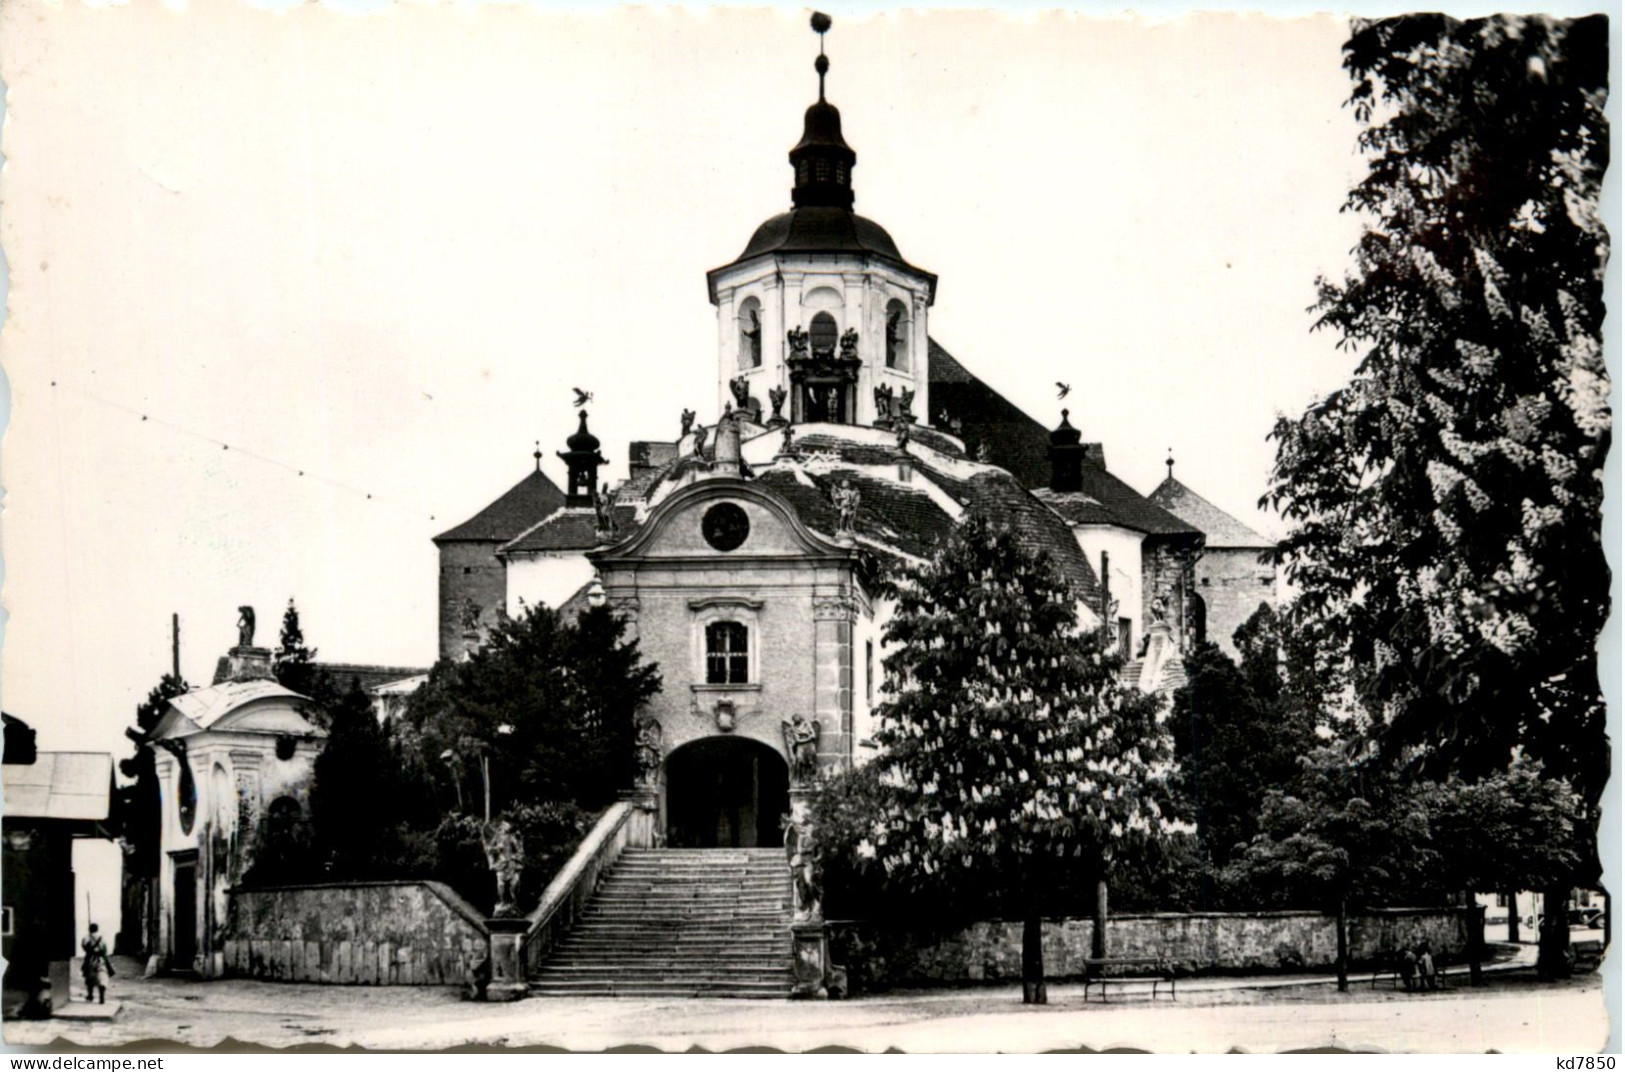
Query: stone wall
[878,958]
[369,933]
[1232,582]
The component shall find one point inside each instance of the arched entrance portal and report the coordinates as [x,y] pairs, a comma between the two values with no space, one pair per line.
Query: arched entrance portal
[726,792]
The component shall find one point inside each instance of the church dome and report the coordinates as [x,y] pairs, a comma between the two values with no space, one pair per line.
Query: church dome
[821,229]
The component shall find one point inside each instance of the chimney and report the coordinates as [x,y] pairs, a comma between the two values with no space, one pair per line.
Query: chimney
[1066,457]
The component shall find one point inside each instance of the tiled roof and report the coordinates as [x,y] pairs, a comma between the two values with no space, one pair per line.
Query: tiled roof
[1106,500]
[59,785]
[1018,443]
[206,706]
[1015,442]
[1222,530]
[908,518]
[572,530]
[520,507]
[370,676]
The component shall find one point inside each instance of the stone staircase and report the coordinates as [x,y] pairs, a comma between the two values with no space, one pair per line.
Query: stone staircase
[680,923]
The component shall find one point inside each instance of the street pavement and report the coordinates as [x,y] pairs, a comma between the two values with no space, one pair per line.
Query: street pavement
[1512,1013]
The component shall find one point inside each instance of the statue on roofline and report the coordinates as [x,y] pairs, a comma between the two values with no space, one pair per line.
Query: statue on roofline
[245,627]
[699,441]
[846,501]
[741,391]
[799,345]
[905,406]
[688,423]
[883,402]
[849,344]
[776,396]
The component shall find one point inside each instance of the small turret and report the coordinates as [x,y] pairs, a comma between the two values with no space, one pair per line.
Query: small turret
[583,461]
[1066,456]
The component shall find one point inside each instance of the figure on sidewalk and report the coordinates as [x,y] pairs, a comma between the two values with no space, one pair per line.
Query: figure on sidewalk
[97,968]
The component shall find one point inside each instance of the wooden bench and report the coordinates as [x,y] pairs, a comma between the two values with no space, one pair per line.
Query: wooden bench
[1153,971]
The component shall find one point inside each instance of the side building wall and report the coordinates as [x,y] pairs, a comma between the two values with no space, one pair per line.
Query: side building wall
[1233,583]
[469,570]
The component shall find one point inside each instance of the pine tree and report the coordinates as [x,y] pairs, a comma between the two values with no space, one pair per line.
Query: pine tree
[1010,747]
[294,665]
[1446,504]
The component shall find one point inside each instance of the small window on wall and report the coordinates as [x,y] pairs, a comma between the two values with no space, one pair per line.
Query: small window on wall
[750,334]
[727,654]
[823,333]
[869,672]
[896,335]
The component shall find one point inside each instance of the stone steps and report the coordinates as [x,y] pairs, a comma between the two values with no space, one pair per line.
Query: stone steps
[680,923]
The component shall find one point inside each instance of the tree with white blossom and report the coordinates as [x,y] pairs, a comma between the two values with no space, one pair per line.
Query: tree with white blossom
[1446,503]
[1011,747]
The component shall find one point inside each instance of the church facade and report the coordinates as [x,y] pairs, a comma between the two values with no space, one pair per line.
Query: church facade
[748,554]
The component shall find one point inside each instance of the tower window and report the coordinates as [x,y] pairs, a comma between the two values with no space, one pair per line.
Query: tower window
[896,335]
[821,170]
[823,333]
[750,334]
[727,656]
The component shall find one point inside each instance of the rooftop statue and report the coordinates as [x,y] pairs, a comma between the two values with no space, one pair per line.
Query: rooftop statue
[245,627]
[688,423]
[846,501]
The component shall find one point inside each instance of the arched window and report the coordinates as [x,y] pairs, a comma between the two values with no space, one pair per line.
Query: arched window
[896,335]
[750,334]
[727,654]
[823,333]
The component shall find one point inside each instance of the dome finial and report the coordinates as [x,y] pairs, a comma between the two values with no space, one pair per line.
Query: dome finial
[1169,462]
[820,25]
[537,454]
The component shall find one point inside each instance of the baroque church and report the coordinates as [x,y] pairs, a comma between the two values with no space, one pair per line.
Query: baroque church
[744,554]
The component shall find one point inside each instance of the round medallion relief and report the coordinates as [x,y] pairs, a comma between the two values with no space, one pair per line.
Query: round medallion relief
[725,526]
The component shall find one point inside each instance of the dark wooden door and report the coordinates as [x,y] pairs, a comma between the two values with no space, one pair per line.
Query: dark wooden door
[184,933]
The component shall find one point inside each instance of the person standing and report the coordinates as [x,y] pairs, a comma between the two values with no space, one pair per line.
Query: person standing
[98,966]
[1424,964]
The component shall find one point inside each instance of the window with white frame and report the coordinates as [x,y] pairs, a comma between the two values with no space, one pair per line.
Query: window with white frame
[727,653]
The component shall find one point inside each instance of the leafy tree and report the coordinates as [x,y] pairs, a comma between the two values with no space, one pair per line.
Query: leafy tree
[353,796]
[544,711]
[1239,730]
[1446,502]
[1508,831]
[1345,835]
[1010,747]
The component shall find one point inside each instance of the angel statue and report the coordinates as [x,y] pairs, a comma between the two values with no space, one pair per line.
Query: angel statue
[776,396]
[788,445]
[849,344]
[688,422]
[905,406]
[883,402]
[740,387]
[699,441]
[797,338]
[245,627]
[801,742]
[504,855]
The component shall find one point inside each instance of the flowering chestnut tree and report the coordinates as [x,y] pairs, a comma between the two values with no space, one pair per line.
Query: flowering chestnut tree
[1010,746]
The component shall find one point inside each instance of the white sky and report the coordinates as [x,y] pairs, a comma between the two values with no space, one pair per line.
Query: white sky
[382,248]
